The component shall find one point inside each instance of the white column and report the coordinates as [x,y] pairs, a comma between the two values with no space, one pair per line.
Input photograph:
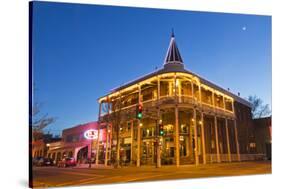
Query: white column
[195,137]
[107,137]
[213,98]
[203,138]
[217,141]
[98,144]
[177,136]
[158,151]
[98,139]
[176,123]
[227,140]
[132,140]
[110,140]
[223,101]
[192,89]
[139,133]
[236,140]
[200,94]
[158,89]
[158,161]
[106,147]
[139,143]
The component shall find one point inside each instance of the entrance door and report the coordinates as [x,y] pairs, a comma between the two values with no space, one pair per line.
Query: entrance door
[148,152]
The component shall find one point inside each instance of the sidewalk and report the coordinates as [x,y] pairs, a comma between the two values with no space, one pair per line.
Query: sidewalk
[150,167]
[101,166]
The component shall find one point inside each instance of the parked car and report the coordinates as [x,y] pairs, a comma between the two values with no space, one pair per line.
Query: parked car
[35,160]
[67,162]
[43,162]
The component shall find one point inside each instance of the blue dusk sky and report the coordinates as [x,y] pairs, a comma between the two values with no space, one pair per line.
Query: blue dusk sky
[81,52]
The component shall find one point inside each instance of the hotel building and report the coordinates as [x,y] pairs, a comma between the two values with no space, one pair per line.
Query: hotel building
[202,122]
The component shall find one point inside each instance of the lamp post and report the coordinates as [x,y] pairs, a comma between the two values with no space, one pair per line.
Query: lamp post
[47,149]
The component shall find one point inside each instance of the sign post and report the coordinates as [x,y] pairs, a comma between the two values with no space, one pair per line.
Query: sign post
[91,135]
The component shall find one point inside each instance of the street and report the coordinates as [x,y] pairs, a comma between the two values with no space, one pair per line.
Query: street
[53,176]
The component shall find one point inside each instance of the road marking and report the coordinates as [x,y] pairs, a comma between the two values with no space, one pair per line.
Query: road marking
[82,174]
[103,179]
[74,182]
[145,177]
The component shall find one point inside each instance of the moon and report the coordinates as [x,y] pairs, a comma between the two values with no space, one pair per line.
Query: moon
[244,28]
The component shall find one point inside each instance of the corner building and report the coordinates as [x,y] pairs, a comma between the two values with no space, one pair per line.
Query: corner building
[202,122]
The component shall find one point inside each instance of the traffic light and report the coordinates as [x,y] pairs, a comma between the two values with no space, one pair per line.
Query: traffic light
[139,111]
[161,128]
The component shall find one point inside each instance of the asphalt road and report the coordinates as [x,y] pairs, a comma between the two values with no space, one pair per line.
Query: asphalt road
[53,176]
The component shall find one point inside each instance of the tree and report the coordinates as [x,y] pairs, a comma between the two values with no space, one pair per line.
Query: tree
[259,110]
[115,117]
[39,122]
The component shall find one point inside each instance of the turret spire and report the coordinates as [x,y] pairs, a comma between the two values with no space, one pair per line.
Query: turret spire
[173,55]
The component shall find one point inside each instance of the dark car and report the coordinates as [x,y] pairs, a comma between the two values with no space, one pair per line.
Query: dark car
[43,162]
[67,162]
[36,160]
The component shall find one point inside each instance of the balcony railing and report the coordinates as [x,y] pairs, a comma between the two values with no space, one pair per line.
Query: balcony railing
[182,99]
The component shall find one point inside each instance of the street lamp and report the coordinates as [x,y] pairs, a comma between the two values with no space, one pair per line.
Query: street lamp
[47,149]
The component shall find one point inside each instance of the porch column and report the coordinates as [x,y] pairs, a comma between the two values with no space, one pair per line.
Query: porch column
[177,136]
[132,140]
[139,143]
[227,140]
[98,144]
[195,138]
[110,140]
[223,101]
[158,161]
[191,138]
[190,127]
[107,137]
[217,141]
[192,89]
[176,122]
[139,133]
[98,139]
[200,94]
[106,147]
[159,120]
[203,138]
[236,140]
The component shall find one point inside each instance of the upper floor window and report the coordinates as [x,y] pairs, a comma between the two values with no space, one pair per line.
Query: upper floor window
[206,96]
[228,104]
[186,88]
[219,101]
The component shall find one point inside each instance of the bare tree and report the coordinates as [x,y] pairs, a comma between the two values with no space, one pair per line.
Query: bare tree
[39,122]
[115,117]
[259,110]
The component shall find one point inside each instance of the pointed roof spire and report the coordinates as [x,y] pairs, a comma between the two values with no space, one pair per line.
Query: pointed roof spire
[173,35]
[173,54]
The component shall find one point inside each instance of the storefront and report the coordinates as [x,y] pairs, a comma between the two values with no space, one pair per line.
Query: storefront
[79,142]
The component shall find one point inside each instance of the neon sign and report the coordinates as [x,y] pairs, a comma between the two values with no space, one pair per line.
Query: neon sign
[91,134]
